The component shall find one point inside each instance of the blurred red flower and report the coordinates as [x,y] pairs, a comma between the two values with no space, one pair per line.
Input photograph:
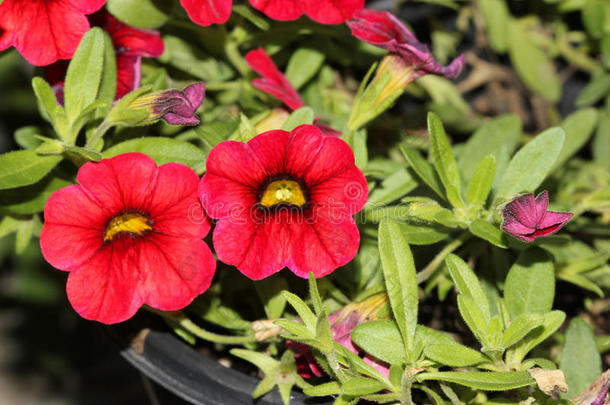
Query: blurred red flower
[44,31]
[275,83]
[527,218]
[129,234]
[284,199]
[206,12]
[130,45]
[383,29]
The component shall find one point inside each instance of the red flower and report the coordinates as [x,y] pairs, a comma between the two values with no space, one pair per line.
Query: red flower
[527,218]
[284,200]
[130,45]
[206,12]
[129,234]
[275,83]
[384,30]
[44,31]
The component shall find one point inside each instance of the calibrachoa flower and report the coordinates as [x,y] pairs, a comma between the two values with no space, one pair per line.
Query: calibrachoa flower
[130,44]
[275,83]
[284,199]
[129,234]
[527,218]
[44,31]
[206,12]
[383,29]
[176,107]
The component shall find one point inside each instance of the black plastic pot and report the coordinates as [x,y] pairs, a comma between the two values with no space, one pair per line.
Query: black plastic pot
[199,379]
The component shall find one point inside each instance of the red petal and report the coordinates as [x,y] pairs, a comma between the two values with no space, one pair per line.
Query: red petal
[273,82]
[553,219]
[255,244]
[87,6]
[104,288]
[323,244]
[173,271]
[44,31]
[331,11]
[174,205]
[334,157]
[523,209]
[121,183]
[74,228]
[132,41]
[283,10]
[206,12]
[222,197]
[235,161]
[379,28]
[305,144]
[344,194]
[270,149]
[542,204]
[128,74]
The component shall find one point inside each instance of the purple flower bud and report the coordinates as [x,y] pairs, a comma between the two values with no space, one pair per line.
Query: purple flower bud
[176,107]
[527,218]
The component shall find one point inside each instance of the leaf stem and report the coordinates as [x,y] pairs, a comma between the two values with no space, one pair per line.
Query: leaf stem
[438,260]
[98,134]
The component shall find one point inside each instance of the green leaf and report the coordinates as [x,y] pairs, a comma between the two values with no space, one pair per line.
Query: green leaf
[190,59]
[580,361]
[323,390]
[468,284]
[27,137]
[162,150]
[604,48]
[382,339]
[532,163]
[550,323]
[30,199]
[480,184]
[501,133]
[395,186]
[8,225]
[303,115]
[269,291]
[308,317]
[303,65]
[444,161]
[357,141]
[24,167]
[24,235]
[482,380]
[107,91]
[47,103]
[474,318]
[530,284]
[578,127]
[423,169]
[600,146]
[362,386]
[147,14]
[424,234]
[597,88]
[454,355]
[400,281]
[594,17]
[581,281]
[489,232]
[497,17]
[84,73]
[519,327]
[533,65]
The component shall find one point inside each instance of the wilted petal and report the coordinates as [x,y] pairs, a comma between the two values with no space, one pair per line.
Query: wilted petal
[176,107]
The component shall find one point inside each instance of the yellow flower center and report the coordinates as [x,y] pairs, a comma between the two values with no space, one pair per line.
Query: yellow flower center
[130,222]
[283,192]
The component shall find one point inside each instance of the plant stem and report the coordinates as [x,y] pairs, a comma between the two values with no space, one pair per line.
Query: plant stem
[438,260]
[407,382]
[98,134]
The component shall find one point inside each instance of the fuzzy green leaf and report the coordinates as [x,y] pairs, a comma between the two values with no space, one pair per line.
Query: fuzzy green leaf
[24,167]
[303,115]
[468,283]
[454,355]
[496,17]
[423,169]
[47,103]
[400,281]
[303,65]
[480,184]
[481,380]
[147,14]
[530,284]
[381,339]
[162,150]
[362,386]
[578,127]
[474,318]
[580,361]
[489,232]
[532,163]
[444,161]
